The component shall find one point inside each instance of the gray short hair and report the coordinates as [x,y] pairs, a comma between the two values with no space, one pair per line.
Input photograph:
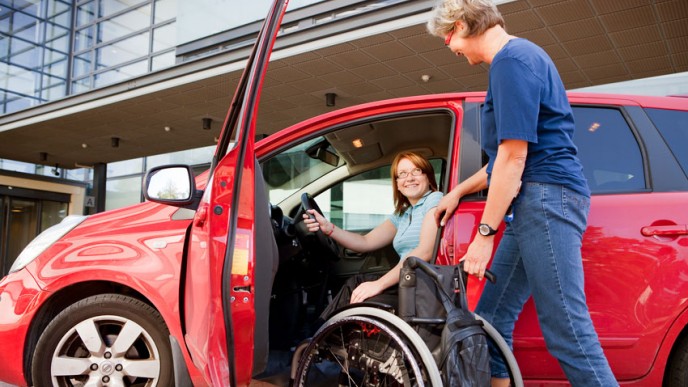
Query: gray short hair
[478,15]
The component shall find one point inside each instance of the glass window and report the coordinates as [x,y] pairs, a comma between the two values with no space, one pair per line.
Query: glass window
[360,203]
[28,56]
[82,64]
[83,38]
[122,192]
[53,31]
[58,69]
[52,213]
[20,81]
[121,73]
[83,84]
[85,13]
[599,130]
[289,171]
[23,221]
[59,12]
[165,10]
[163,60]
[365,200]
[124,24]
[52,56]
[19,166]
[81,174]
[57,91]
[60,43]
[108,7]
[27,6]
[673,125]
[122,51]
[126,167]
[195,156]
[164,37]
[24,26]
[18,103]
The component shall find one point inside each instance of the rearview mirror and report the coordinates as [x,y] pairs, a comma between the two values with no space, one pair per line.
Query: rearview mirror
[322,152]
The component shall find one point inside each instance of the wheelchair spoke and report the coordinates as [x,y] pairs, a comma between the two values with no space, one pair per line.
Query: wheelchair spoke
[353,353]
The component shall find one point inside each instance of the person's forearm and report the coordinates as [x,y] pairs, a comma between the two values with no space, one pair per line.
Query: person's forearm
[504,183]
[380,236]
[475,183]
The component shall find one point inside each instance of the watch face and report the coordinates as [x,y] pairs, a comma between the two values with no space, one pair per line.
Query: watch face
[484,230]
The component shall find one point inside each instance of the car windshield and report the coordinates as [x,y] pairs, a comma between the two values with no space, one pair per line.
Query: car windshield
[291,170]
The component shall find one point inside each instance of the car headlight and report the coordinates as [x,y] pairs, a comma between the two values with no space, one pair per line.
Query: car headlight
[45,240]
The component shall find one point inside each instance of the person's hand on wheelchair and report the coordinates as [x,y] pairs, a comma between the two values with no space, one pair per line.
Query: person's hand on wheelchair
[365,291]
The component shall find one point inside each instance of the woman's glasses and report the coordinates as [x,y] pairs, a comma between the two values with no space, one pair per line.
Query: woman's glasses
[414,172]
[447,39]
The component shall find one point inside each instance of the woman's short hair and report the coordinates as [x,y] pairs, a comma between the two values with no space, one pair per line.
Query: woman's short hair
[401,202]
[478,15]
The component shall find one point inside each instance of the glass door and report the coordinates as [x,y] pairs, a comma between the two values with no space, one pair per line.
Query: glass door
[21,220]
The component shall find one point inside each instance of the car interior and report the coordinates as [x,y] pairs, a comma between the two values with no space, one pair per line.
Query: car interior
[344,172]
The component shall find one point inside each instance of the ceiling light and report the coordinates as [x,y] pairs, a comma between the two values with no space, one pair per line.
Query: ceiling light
[114,142]
[167,128]
[84,145]
[425,77]
[330,99]
[357,142]
[207,122]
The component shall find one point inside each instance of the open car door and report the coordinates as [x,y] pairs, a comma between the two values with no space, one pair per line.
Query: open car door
[219,290]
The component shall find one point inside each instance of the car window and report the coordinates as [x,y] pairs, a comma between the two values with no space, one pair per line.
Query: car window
[289,171]
[673,125]
[609,151]
[363,201]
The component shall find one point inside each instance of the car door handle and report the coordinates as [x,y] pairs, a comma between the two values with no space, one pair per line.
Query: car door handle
[667,230]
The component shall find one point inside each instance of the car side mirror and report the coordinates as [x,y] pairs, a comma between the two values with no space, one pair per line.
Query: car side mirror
[173,185]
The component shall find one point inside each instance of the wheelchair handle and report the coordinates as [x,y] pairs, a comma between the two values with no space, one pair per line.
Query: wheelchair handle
[415,262]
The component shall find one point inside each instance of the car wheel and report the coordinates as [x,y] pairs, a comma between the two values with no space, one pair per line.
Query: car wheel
[106,339]
[677,372]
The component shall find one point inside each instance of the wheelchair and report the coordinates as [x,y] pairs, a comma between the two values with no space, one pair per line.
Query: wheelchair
[373,344]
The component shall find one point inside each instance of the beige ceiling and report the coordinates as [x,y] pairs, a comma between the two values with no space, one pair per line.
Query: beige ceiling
[591,41]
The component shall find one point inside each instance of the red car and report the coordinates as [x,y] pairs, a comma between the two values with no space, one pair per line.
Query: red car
[214,280]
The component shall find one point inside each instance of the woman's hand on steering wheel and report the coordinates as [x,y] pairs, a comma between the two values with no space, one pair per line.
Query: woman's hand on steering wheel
[316,222]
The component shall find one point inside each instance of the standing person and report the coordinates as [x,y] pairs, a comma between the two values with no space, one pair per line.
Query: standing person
[527,130]
[411,230]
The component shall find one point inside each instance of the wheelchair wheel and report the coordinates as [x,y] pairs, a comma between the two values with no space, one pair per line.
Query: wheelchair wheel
[364,350]
[509,359]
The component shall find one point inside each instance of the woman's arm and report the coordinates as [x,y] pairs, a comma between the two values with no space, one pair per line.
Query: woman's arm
[380,236]
[506,179]
[426,245]
[447,206]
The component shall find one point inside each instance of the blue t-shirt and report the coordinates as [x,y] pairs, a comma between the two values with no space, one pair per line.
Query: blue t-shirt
[526,100]
[409,223]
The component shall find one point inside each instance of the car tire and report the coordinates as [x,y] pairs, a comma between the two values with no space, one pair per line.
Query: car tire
[104,339]
[677,370]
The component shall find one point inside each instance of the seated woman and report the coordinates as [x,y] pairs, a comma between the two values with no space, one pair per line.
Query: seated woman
[411,229]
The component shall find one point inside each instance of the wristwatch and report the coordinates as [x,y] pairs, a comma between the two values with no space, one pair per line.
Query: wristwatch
[485,230]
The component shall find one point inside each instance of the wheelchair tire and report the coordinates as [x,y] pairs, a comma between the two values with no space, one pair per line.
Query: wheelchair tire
[366,347]
[498,340]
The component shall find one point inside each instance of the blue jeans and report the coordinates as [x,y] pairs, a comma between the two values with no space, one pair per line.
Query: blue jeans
[540,255]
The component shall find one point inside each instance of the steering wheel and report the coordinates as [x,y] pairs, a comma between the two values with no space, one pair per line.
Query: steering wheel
[308,203]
